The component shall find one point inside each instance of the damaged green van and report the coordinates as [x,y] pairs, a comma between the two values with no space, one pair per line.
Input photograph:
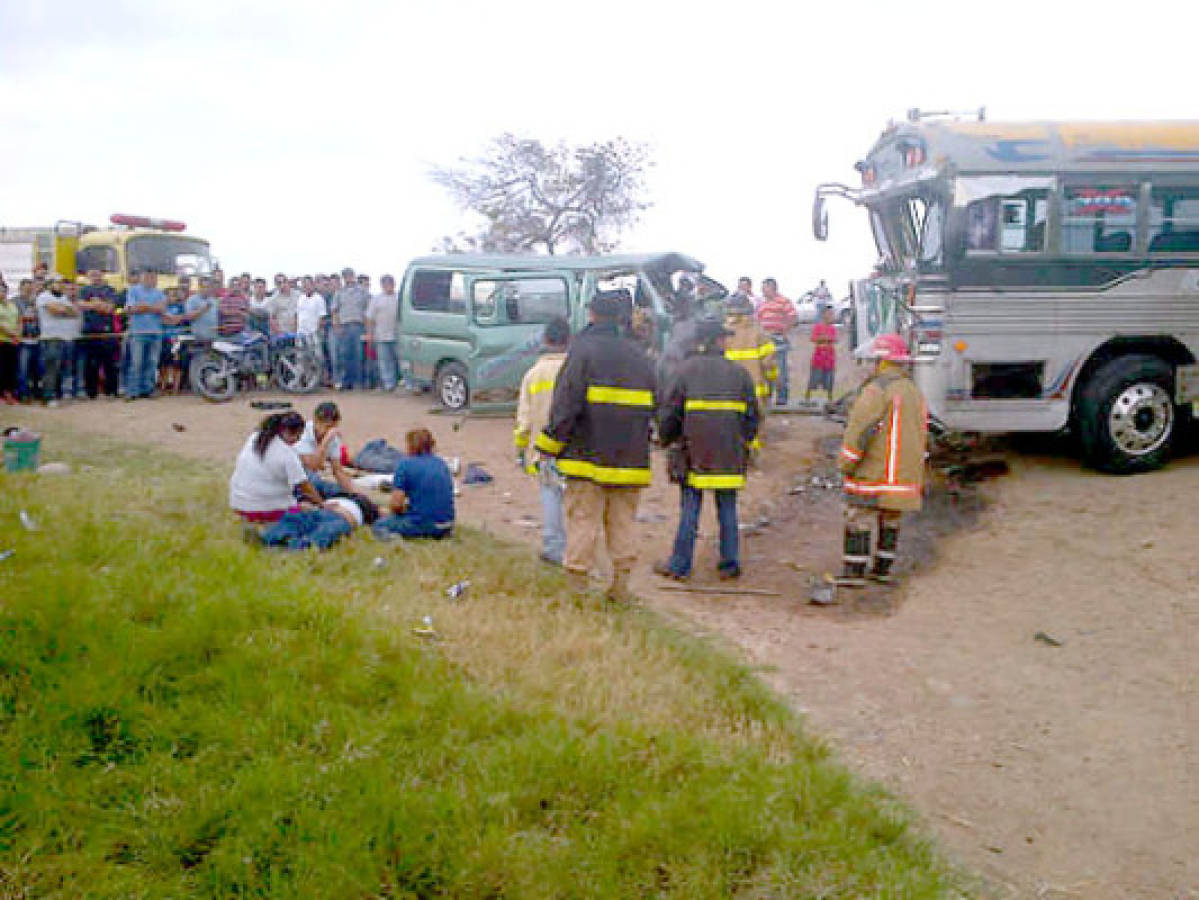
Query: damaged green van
[470,325]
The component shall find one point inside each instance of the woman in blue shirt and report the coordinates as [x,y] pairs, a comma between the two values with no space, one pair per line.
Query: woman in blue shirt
[422,497]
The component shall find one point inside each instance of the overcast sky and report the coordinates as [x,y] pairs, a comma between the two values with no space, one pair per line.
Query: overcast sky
[297,135]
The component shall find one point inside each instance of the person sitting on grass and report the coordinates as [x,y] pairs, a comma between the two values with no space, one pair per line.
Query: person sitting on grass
[422,497]
[268,472]
[321,528]
[321,443]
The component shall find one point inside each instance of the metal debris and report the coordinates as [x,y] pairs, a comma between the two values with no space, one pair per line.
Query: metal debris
[1047,639]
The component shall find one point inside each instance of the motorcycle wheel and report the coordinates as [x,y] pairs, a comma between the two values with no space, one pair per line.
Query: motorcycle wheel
[213,377]
[297,371]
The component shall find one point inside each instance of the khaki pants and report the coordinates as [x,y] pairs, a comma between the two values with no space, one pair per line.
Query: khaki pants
[590,506]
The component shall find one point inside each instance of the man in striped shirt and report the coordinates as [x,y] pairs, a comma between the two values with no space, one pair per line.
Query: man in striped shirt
[777,316]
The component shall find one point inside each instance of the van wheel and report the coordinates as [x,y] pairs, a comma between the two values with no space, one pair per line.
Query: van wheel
[452,388]
[1126,415]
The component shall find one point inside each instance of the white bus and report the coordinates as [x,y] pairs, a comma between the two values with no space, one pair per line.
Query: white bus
[1045,274]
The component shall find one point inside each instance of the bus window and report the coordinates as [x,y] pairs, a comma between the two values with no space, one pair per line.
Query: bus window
[930,234]
[1174,220]
[1099,219]
[1014,224]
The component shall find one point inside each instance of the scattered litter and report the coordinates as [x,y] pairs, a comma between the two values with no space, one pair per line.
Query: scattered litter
[762,522]
[28,521]
[798,489]
[5,554]
[379,562]
[54,468]
[476,474]
[179,426]
[456,590]
[507,496]
[425,628]
[1047,639]
[824,591]
[527,522]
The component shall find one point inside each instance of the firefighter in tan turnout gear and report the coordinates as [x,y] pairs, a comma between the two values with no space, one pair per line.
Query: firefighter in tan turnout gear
[749,346]
[882,458]
[599,432]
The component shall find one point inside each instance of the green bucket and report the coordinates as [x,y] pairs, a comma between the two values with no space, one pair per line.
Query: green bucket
[21,456]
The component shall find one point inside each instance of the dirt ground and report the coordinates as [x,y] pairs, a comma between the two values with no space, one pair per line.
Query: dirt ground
[1054,771]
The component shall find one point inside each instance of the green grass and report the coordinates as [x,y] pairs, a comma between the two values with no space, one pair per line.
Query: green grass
[181,714]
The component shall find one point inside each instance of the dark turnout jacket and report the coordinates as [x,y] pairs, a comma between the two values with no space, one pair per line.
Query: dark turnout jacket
[712,409]
[600,417]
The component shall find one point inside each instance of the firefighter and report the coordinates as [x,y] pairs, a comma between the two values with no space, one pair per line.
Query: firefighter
[882,458]
[532,413]
[598,430]
[710,416]
[749,346]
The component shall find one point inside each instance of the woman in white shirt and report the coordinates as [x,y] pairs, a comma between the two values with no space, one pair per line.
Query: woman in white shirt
[268,471]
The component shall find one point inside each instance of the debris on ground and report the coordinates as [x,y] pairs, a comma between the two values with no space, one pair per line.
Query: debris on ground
[179,426]
[268,405]
[28,521]
[425,628]
[54,468]
[1047,639]
[476,474]
[5,554]
[379,562]
[456,590]
[823,592]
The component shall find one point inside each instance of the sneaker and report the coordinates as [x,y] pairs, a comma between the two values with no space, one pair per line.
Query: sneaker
[662,567]
[549,560]
[725,574]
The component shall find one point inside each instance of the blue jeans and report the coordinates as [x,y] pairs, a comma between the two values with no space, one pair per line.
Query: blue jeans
[690,501]
[324,486]
[311,528]
[389,364]
[782,386]
[144,351]
[29,370]
[553,514]
[408,526]
[349,354]
[56,367]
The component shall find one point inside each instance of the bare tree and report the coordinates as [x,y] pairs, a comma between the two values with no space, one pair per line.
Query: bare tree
[552,199]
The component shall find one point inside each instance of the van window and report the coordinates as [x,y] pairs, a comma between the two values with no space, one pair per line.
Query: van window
[519,301]
[435,291]
[1101,219]
[1012,224]
[1174,220]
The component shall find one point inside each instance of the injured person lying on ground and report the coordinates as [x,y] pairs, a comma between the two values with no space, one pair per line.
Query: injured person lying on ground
[321,527]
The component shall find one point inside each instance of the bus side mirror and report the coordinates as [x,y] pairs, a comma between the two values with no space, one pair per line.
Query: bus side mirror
[819,219]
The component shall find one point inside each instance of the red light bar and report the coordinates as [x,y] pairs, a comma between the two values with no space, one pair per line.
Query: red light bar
[146,222]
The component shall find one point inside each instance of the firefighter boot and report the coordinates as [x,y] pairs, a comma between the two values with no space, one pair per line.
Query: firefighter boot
[888,540]
[856,556]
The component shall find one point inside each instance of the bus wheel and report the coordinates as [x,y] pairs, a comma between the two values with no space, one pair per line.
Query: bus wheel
[1126,415]
[452,388]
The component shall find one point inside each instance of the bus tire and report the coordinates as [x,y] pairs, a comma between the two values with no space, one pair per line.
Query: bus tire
[453,389]
[1127,420]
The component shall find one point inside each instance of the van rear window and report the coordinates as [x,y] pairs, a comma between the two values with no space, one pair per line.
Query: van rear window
[439,292]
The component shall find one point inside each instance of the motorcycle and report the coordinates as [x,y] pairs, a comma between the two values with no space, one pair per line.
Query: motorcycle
[291,361]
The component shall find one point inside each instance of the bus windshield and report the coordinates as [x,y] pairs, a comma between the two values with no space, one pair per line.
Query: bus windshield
[168,255]
[908,231]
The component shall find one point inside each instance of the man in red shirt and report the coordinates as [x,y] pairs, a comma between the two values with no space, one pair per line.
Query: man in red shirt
[777,317]
[824,355]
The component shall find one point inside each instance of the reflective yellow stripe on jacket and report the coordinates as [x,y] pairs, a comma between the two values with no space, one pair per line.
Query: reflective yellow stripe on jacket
[547,444]
[538,387]
[737,406]
[598,393]
[578,468]
[701,481]
[759,352]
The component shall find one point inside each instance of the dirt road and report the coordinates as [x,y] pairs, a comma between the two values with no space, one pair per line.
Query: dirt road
[1056,771]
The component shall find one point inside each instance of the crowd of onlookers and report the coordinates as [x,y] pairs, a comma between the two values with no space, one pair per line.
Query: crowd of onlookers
[60,340]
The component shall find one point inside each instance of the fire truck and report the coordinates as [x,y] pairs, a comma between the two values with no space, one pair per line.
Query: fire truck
[130,244]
